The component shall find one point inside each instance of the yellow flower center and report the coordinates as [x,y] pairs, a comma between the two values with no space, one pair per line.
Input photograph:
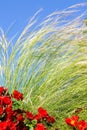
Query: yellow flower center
[72,122]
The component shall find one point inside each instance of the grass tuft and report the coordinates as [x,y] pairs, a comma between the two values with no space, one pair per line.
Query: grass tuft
[48,63]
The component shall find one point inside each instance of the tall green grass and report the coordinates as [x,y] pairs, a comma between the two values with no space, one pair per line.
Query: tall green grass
[48,63]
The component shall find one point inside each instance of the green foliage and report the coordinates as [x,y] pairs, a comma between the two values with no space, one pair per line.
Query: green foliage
[48,64]
[16,104]
[28,124]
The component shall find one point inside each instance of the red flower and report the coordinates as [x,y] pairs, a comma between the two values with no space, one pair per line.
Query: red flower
[17,95]
[84,127]
[8,109]
[2,89]
[72,121]
[6,100]
[1,100]
[7,125]
[80,125]
[3,125]
[37,117]
[1,111]
[42,112]
[20,117]
[13,126]
[50,119]
[29,115]
[40,126]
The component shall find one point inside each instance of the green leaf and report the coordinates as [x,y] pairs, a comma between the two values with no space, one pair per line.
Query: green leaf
[31,128]
[16,104]
[34,122]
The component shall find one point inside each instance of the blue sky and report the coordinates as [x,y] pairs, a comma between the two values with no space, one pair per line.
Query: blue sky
[19,11]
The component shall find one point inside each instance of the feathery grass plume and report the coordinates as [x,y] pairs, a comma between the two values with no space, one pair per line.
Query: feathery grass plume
[48,63]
